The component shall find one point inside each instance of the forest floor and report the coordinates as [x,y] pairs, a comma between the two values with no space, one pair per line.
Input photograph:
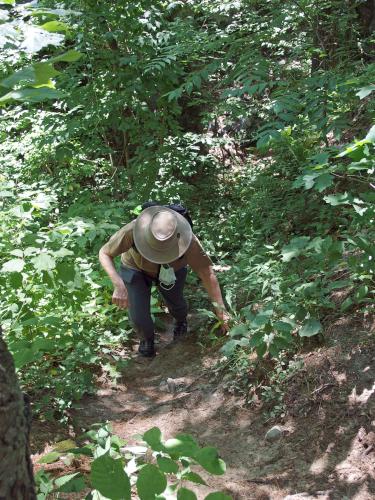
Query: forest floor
[327,446]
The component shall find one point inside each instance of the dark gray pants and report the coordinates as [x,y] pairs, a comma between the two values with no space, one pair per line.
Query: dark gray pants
[138,285]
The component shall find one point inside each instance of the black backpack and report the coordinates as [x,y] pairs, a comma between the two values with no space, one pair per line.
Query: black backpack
[177,207]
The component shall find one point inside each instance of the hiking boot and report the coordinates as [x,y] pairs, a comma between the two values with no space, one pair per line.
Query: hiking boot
[146,348]
[180,330]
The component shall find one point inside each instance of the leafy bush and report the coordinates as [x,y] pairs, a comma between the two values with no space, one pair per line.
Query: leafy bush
[159,469]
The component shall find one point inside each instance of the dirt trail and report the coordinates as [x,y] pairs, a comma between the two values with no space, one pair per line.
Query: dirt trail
[325,452]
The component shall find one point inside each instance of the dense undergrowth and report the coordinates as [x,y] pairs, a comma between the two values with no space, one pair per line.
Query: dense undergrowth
[258,116]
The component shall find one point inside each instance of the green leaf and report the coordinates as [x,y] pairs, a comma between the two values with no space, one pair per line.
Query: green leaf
[257,339]
[7,2]
[49,458]
[294,248]
[70,483]
[151,481]
[183,445]
[70,56]
[31,95]
[371,134]
[208,458]
[310,328]
[283,326]
[239,330]
[13,266]
[167,465]
[65,445]
[37,74]
[218,495]
[66,271]
[261,350]
[337,199]
[185,494]
[153,438]
[260,320]
[24,357]
[323,182]
[36,39]
[229,347]
[43,262]
[55,27]
[193,477]
[365,91]
[109,478]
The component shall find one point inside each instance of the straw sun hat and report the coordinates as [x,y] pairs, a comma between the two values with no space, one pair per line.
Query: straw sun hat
[161,235]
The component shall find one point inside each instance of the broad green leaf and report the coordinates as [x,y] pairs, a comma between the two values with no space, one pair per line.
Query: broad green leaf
[109,478]
[43,262]
[310,328]
[229,347]
[26,75]
[365,91]
[37,74]
[153,438]
[218,496]
[70,56]
[42,344]
[54,12]
[261,349]
[185,494]
[70,483]
[13,266]
[7,2]
[66,271]
[49,458]
[36,39]
[371,133]
[323,182]
[55,27]
[151,481]
[348,302]
[43,73]
[24,357]
[167,465]
[239,330]
[193,477]
[260,320]
[63,252]
[294,248]
[280,343]
[183,445]
[257,339]
[31,95]
[337,199]
[282,326]
[65,445]
[208,458]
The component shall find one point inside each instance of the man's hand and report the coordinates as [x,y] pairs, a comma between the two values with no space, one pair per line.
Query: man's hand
[224,317]
[120,297]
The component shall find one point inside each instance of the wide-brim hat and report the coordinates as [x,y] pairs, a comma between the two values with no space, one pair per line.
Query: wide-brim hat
[161,235]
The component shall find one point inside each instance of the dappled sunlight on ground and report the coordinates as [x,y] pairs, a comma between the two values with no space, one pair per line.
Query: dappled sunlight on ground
[325,451]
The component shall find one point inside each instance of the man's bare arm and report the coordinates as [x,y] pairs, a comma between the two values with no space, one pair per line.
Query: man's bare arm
[211,284]
[120,294]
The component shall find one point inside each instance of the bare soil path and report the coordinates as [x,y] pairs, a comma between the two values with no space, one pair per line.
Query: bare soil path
[327,448]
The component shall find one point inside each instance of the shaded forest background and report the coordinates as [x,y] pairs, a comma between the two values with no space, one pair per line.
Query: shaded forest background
[256,115]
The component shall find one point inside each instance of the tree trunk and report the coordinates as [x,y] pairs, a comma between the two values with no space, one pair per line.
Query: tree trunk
[16,474]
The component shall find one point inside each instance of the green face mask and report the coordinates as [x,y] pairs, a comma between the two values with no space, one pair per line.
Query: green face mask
[167,277]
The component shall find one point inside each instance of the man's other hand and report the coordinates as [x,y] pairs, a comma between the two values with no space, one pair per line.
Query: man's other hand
[224,317]
[120,297]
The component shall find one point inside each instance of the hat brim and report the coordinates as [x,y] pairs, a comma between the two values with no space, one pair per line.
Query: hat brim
[166,255]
